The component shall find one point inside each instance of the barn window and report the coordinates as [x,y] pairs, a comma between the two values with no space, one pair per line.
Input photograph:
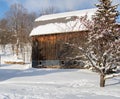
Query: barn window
[40,62]
[75,62]
[62,62]
[36,42]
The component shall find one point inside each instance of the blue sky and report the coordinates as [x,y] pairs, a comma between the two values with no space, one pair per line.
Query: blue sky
[62,5]
[3,8]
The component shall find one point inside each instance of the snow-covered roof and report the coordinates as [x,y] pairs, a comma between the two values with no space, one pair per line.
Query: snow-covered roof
[61,22]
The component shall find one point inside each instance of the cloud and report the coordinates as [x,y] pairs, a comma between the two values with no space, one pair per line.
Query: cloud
[35,5]
[116,1]
[62,5]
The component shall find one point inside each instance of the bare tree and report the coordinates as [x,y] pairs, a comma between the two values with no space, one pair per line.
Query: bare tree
[20,23]
[3,32]
[5,35]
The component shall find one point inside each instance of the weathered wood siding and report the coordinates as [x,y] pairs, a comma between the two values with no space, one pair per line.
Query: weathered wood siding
[47,47]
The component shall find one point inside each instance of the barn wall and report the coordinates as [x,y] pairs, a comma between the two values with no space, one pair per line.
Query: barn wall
[47,47]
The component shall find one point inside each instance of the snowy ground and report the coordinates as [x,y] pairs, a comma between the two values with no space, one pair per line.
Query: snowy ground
[24,82]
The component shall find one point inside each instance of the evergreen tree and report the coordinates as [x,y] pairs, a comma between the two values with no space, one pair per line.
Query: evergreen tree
[104,50]
[105,18]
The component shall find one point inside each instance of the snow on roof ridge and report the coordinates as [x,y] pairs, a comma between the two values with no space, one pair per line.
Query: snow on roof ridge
[65,14]
[55,26]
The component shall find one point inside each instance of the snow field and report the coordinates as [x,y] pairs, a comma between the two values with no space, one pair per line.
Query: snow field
[23,82]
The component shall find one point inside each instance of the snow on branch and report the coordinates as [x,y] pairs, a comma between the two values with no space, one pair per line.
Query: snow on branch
[111,76]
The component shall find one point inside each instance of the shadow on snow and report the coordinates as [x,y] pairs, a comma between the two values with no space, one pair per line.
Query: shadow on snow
[6,74]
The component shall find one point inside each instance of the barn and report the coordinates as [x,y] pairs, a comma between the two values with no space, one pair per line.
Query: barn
[51,30]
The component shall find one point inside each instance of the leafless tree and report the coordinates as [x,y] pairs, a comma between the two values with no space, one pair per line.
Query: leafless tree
[20,23]
[5,35]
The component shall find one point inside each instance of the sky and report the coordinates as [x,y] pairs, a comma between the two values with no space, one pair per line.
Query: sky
[62,5]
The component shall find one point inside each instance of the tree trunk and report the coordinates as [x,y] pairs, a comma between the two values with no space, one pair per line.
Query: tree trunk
[17,50]
[102,80]
[17,47]
[13,50]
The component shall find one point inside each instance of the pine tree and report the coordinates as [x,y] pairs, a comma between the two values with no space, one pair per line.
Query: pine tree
[102,47]
[105,18]
[104,50]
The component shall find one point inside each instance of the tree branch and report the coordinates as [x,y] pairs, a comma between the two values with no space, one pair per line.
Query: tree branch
[111,76]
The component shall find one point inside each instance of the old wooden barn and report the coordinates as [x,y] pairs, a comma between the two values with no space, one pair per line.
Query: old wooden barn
[51,30]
